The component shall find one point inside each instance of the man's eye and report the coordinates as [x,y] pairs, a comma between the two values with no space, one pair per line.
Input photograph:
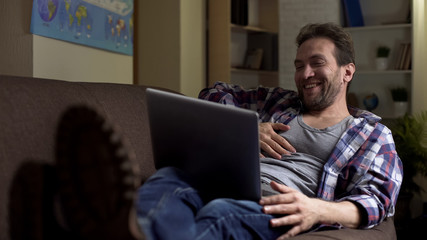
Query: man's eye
[318,63]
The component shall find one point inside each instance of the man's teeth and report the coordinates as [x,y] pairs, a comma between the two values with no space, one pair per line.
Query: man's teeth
[311,85]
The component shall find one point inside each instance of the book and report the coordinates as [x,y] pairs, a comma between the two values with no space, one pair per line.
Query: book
[408,58]
[353,13]
[404,58]
[234,11]
[239,12]
[244,17]
[399,56]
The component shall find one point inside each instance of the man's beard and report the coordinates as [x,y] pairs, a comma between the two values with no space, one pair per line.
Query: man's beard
[324,99]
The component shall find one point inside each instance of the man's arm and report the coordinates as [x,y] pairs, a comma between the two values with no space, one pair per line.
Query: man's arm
[236,95]
[303,212]
[271,104]
[373,177]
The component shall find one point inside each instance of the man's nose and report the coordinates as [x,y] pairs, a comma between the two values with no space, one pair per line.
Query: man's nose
[308,72]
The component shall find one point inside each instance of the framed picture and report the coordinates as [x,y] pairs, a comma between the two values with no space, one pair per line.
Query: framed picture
[253,58]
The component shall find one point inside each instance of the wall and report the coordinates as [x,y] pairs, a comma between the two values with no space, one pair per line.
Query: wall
[419,85]
[172,51]
[193,46]
[419,98]
[24,54]
[16,46]
[66,61]
[158,43]
[171,45]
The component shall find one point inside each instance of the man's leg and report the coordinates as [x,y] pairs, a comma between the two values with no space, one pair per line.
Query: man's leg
[169,208]
[235,219]
[167,204]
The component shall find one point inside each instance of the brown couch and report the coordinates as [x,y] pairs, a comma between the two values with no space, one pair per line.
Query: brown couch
[29,112]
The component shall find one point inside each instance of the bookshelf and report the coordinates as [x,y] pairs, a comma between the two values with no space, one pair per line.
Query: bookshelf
[228,42]
[414,79]
[384,26]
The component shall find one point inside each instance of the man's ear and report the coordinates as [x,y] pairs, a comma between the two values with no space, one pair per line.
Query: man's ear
[349,72]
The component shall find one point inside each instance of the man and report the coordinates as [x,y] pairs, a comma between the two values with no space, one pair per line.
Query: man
[326,163]
[323,163]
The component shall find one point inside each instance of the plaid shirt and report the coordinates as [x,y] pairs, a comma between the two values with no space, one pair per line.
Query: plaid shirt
[363,167]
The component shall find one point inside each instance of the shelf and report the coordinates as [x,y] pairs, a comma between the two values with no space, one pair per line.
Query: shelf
[381,31]
[379,27]
[383,71]
[228,43]
[253,71]
[239,28]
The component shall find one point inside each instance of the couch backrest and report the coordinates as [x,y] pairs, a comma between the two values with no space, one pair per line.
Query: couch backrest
[29,112]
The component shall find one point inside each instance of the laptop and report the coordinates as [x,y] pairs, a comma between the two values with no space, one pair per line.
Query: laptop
[215,144]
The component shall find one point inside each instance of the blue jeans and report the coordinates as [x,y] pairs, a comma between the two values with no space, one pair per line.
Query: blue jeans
[169,208]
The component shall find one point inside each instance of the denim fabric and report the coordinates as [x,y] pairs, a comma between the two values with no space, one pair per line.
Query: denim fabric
[169,208]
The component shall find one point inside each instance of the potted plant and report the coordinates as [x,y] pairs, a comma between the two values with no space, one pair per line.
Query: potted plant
[400,99]
[382,57]
[399,94]
[410,136]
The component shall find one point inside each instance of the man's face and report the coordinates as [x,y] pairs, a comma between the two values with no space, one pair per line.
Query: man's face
[318,77]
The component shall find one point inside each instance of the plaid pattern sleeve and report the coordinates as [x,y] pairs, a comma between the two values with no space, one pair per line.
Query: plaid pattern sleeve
[364,168]
[272,104]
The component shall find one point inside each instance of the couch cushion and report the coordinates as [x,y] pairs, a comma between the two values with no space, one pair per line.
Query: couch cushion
[383,231]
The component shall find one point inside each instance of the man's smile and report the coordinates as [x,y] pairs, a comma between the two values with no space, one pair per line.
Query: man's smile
[311,85]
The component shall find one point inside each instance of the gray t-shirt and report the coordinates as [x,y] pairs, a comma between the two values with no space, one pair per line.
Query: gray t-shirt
[302,170]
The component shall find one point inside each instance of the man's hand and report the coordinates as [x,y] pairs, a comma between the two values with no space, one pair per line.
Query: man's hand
[303,212]
[271,142]
[298,209]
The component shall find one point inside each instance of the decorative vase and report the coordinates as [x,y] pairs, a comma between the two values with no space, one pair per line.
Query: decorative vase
[400,109]
[381,63]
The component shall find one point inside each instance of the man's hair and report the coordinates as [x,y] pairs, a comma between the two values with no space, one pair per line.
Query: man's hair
[344,53]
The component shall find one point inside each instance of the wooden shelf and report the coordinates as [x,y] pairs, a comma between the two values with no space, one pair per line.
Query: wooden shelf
[379,27]
[239,28]
[383,71]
